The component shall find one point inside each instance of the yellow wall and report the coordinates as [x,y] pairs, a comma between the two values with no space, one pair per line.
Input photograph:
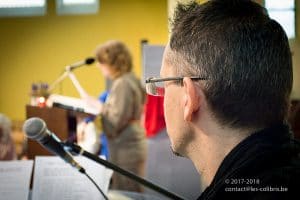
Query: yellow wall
[295,46]
[38,48]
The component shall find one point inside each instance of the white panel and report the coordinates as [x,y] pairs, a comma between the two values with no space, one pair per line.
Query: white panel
[21,3]
[11,8]
[77,6]
[280,4]
[70,2]
[152,59]
[286,19]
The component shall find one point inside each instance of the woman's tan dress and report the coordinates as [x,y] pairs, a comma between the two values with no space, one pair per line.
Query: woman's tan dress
[121,123]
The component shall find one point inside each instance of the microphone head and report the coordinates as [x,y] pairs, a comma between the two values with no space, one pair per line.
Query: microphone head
[35,128]
[89,61]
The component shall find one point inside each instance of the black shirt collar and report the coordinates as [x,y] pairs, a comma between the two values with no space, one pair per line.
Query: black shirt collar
[250,149]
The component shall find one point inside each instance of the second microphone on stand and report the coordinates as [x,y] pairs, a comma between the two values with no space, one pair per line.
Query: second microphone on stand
[87,61]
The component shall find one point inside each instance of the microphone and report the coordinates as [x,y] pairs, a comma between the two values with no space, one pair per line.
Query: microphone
[70,68]
[36,129]
[87,61]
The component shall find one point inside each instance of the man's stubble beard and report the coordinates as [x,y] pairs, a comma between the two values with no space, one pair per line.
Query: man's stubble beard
[176,153]
[188,137]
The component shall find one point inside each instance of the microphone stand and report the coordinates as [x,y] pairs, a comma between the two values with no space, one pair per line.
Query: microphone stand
[74,148]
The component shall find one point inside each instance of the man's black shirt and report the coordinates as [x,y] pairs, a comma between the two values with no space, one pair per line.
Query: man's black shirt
[266,165]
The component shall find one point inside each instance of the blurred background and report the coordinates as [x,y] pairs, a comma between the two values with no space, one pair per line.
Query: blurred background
[39,38]
[37,48]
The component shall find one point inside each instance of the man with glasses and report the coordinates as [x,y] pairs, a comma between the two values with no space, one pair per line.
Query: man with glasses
[226,78]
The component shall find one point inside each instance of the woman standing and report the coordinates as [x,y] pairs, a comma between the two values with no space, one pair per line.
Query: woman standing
[121,113]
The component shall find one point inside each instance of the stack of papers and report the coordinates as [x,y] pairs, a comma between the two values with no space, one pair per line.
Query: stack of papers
[56,179]
[71,103]
[15,179]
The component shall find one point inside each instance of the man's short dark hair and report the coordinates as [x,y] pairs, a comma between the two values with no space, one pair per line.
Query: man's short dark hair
[244,54]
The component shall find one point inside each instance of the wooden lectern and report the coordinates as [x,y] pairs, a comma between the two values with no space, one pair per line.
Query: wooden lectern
[60,121]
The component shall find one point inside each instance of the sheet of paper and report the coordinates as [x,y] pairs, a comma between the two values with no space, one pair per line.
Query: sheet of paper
[15,179]
[71,103]
[55,179]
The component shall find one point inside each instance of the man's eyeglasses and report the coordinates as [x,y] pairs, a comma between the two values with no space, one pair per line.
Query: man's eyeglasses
[155,86]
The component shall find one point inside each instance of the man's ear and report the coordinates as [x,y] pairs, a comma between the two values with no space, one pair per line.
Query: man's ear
[191,99]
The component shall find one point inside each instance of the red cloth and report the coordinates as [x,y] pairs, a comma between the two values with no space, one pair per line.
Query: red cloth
[154,120]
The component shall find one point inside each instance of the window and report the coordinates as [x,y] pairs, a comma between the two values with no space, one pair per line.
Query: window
[77,6]
[72,2]
[22,7]
[283,11]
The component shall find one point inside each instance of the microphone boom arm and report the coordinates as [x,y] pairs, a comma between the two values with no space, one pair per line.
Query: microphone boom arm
[77,85]
[68,70]
[58,80]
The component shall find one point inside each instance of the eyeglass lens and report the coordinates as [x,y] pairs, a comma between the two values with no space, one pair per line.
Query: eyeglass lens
[155,89]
